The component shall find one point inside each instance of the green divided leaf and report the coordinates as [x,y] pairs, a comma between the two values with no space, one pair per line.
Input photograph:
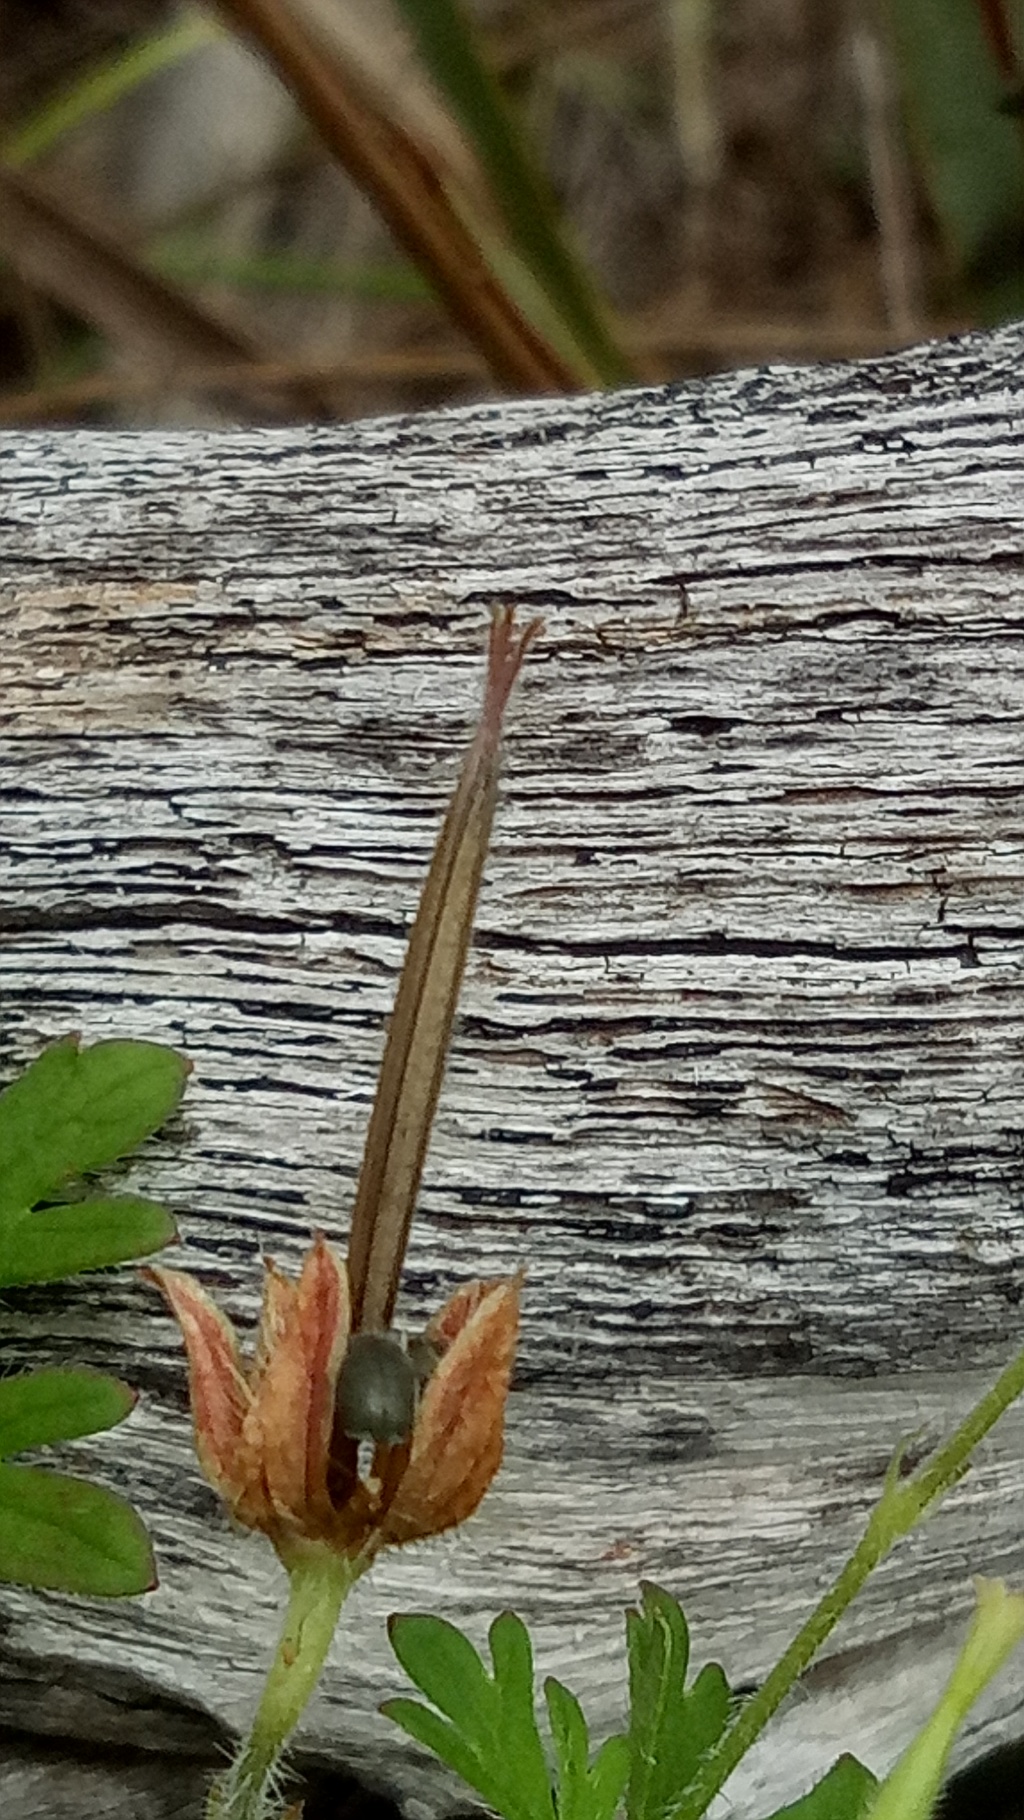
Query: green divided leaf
[73,1110]
[842,1794]
[585,1791]
[41,1407]
[77,1109]
[670,1728]
[446,1742]
[485,1727]
[445,1666]
[85,1235]
[69,1536]
[608,1776]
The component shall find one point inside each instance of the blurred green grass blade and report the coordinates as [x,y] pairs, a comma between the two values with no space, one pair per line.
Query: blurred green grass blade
[85,1235]
[68,1536]
[448,48]
[972,155]
[75,1109]
[38,1408]
[104,85]
[190,258]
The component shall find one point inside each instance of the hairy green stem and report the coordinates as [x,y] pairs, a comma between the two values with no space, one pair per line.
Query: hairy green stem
[320,1581]
[902,1504]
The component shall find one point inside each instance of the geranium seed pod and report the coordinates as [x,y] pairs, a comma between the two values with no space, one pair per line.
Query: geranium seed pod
[376,1394]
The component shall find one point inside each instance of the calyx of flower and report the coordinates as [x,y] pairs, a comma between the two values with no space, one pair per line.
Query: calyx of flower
[264,1426]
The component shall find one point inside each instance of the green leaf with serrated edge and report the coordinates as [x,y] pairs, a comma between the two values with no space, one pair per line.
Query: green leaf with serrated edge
[489,1728]
[87,1235]
[842,1794]
[445,1666]
[38,1408]
[76,1109]
[522,1754]
[66,1535]
[670,1729]
[447,1743]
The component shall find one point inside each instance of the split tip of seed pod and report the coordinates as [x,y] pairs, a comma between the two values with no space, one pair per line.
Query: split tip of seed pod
[508,646]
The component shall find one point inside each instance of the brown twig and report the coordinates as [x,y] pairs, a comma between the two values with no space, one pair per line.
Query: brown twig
[403,184]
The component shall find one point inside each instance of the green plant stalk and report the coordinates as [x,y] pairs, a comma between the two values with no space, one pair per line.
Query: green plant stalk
[320,1581]
[899,1509]
[911,1789]
[186,255]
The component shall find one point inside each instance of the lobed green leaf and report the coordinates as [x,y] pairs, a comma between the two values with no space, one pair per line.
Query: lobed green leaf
[76,1109]
[572,1750]
[585,1791]
[522,1752]
[609,1777]
[38,1408]
[66,1535]
[444,1739]
[670,1728]
[485,1728]
[53,1242]
[445,1666]
[842,1794]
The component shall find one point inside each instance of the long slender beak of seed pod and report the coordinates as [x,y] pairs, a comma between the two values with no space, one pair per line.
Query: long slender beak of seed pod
[421,1023]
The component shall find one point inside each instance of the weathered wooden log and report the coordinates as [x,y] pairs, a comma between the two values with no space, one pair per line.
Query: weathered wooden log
[738,1074]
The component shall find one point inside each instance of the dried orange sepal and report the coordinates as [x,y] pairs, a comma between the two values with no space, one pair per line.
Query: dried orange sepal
[459,1435]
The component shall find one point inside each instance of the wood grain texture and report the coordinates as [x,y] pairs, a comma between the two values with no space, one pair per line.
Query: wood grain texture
[739,1070]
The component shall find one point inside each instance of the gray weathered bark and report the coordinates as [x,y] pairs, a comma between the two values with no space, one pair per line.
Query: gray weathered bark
[738,1076]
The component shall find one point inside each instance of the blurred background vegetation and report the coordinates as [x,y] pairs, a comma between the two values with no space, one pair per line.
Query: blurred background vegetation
[266,210]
